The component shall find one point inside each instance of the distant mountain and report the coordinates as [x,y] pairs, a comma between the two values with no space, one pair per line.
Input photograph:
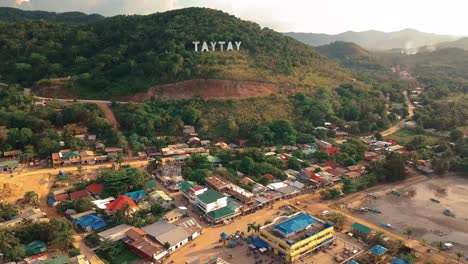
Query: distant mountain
[460,43]
[407,39]
[350,55]
[8,14]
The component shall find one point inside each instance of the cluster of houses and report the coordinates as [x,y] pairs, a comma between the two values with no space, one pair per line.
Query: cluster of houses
[152,242]
[67,157]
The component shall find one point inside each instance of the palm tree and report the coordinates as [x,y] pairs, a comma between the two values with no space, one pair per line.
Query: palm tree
[408,232]
[119,161]
[424,241]
[440,246]
[251,227]
[378,237]
[79,170]
[459,255]
[7,240]
[64,238]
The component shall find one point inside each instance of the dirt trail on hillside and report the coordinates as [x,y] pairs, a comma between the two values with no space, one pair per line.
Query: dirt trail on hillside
[109,114]
[208,89]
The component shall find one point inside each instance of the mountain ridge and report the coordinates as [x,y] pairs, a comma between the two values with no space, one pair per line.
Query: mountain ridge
[407,39]
[10,14]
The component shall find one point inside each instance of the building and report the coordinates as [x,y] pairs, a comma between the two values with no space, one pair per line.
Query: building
[216,206]
[113,152]
[164,232]
[9,166]
[211,200]
[297,235]
[115,233]
[136,195]
[87,157]
[161,198]
[139,242]
[70,157]
[95,189]
[173,215]
[27,215]
[120,203]
[323,144]
[90,222]
[361,230]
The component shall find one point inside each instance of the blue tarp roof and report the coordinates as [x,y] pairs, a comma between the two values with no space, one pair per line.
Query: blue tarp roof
[259,243]
[378,250]
[51,201]
[94,221]
[399,261]
[295,224]
[224,235]
[136,195]
[352,262]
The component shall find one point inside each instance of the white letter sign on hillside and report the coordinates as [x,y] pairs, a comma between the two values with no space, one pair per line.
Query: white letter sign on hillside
[216,45]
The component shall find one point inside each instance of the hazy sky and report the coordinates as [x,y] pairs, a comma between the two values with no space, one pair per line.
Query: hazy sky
[320,16]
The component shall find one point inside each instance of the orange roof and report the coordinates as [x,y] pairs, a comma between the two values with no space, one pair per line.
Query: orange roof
[332,150]
[118,204]
[61,197]
[78,194]
[95,188]
[313,176]
[55,156]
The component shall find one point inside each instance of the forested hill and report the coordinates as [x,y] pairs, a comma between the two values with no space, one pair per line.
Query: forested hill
[350,55]
[8,14]
[125,54]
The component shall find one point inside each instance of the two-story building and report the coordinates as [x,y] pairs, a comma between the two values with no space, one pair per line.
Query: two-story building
[297,235]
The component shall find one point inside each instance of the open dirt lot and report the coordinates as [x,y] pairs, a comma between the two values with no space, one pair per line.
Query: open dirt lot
[414,209]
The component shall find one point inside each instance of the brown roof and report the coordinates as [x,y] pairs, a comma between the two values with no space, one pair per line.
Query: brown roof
[11,153]
[353,174]
[78,194]
[135,233]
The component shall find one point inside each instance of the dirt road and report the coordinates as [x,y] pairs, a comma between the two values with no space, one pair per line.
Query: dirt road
[401,123]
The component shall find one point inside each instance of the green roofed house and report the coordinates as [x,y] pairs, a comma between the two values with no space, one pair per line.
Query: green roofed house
[35,247]
[361,230]
[9,165]
[214,159]
[186,185]
[215,205]
[150,185]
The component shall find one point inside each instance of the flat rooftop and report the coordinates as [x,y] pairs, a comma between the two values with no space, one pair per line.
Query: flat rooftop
[296,228]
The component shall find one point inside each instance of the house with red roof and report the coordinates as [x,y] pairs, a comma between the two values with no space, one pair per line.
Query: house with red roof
[61,197]
[311,176]
[79,194]
[119,204]
[95,188]
[332,150]
[334,172]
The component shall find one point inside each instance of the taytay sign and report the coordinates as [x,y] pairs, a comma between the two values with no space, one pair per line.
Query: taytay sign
[216,45]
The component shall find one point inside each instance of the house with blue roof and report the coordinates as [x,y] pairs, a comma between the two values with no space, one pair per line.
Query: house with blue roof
[136,195]
[378,252]
[90,222]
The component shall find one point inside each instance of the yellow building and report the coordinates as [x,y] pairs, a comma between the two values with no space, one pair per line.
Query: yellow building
[296,235]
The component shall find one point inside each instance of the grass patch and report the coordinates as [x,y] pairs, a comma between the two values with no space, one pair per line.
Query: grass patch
[404,136]
[125,257]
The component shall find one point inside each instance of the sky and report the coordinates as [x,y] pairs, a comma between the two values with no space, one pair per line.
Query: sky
[318,16]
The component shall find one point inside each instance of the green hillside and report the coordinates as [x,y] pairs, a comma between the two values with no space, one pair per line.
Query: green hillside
[350,55]
[8,14]
[443,69]
[126,54]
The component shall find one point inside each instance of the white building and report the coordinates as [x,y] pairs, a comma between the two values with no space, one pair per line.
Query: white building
[211,200]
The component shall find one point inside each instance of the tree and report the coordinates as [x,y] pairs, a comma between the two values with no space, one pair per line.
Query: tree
[459,255]
[378,136]
[294,163]
[199,176]
[247,165]
[109,248]
[441,165]
[348,186]
[32,198]
[338,219]
[166,245]
[79,170]
[251,227]
[119,160]
[7,211]
[330,193]
[408,232]
[456,135]
[64,239]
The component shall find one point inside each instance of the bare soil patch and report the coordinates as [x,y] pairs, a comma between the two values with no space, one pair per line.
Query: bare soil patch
[208,89]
